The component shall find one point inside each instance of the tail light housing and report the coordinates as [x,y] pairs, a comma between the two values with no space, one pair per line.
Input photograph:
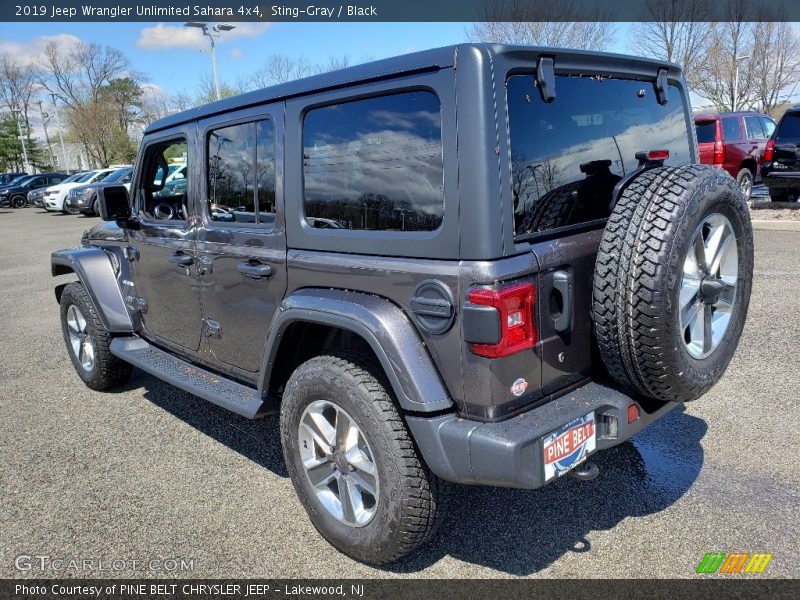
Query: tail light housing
[769,151]
[515,305]
[719,153]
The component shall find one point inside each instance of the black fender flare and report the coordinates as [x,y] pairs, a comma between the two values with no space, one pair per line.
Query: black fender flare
[383,325]
[94,270]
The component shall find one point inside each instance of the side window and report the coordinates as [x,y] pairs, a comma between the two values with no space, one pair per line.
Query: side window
[731,130]
[241,173]
[375,164]
[156,197]
[768,125]
[753,127]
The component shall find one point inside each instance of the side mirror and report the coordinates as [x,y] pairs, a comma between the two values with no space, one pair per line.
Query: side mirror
[113,203]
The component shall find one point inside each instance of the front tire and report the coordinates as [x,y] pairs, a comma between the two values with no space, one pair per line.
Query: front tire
[18,201]
[344,441]
[88,341]
[672,282]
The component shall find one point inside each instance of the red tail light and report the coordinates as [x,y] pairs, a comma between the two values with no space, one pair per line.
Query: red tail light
[719,153]
[514,303]
[769,151]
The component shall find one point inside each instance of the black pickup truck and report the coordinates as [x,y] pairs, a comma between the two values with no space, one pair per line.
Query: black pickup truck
[478,264]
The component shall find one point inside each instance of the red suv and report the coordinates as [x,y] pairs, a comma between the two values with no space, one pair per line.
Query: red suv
[734,142]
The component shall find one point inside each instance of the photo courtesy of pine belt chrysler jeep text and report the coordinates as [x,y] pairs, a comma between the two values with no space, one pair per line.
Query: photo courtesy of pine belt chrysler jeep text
[481,275]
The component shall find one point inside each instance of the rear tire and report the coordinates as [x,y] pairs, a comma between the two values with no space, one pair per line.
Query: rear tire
[778,195]
[408,499]
[649,287]
[745,181]
[88,341]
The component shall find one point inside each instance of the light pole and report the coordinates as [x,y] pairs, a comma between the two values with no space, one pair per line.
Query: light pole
[26,165]
[211,33]
[45,121]
[736,81]
[60,134]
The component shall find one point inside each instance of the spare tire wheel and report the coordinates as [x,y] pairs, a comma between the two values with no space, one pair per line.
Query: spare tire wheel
[672,281]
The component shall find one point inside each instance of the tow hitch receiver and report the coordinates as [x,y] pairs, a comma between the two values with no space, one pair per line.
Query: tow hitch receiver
[586,472]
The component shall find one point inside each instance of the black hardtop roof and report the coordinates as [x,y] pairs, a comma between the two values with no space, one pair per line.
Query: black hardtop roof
[427,60]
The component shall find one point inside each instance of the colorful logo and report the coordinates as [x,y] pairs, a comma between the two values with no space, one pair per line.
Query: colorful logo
[734,562]
[519,386]
[569,446]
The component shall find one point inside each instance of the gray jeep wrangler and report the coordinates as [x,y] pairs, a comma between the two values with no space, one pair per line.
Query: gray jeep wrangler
[477,264]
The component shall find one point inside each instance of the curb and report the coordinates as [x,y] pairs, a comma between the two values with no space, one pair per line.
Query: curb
[776,225]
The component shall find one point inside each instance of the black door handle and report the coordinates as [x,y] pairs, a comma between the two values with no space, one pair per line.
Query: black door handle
[254,270]
[181,259]
[562,283]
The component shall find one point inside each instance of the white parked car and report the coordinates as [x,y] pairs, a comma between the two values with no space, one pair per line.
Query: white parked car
[55,195]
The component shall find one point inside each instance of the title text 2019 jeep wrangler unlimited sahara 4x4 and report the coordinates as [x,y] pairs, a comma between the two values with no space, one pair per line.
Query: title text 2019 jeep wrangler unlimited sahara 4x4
[477,264]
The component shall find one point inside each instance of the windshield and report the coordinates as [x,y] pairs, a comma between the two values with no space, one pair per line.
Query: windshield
[102,176]
[18,180]
[23,180]
[86,176]
[117,175]
[706,131]
[567,155]
[73,177]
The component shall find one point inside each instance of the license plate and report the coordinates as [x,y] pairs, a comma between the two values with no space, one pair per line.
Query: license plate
[569,446]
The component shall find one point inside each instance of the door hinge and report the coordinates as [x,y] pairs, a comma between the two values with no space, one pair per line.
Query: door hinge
[212,329]
[131,253]
[139,305]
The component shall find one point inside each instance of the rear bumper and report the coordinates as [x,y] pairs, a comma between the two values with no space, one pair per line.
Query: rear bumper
[780,180]
[510,453]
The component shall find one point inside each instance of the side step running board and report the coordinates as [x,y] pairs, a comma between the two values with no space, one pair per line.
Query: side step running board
[228,394]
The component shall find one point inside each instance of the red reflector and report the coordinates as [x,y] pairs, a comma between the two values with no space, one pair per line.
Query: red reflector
[769,151]
[657,154]
[517,330]
[719,153]
[633,413]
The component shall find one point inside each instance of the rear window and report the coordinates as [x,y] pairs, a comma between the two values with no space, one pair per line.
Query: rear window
[568,155]
[789,127]
[731,131]
[706,131]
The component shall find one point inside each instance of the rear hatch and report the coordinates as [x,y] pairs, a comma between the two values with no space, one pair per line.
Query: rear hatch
[567,156]
[707,136]
[787,142]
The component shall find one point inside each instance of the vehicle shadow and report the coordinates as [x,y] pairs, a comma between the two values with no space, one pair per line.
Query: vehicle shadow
[256,439]
[520,532]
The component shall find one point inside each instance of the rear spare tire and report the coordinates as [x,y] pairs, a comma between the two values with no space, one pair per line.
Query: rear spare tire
[672,281]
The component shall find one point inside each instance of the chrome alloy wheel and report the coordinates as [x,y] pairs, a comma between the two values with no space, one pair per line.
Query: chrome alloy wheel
[339,463]
[80,338]
[708,285]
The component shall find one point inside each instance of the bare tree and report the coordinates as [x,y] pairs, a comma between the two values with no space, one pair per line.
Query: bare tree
[17,87]
[675,34]
[727,76]
[543,23]
[77,74]
[776,52]
[95,126]
[277,69]
[280,68]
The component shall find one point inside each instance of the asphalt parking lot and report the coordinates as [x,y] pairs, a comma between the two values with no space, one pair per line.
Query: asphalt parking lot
[151,473]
